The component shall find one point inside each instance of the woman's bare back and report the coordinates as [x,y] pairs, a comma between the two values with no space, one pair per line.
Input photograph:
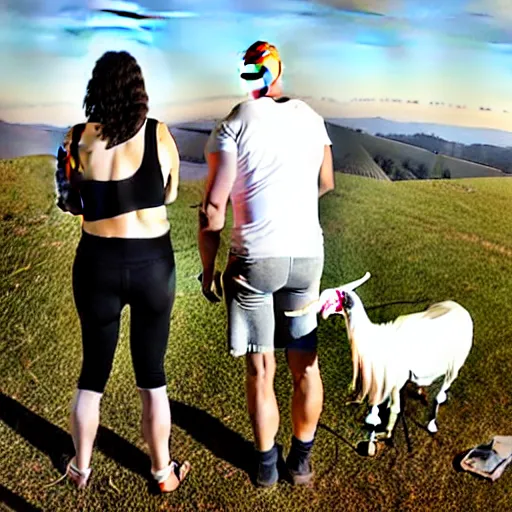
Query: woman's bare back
[122,162]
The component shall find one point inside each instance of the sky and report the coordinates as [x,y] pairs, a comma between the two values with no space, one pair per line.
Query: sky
[447,61]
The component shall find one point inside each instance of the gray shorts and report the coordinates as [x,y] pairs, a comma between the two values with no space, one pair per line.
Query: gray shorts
[256,320]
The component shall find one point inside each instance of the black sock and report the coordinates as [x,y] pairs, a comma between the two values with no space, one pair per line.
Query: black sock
[267,466]
[298,458]
[269,457]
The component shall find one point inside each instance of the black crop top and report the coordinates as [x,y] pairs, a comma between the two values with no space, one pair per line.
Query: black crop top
[144,189]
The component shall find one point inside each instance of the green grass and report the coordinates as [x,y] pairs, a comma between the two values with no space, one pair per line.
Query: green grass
[421,240]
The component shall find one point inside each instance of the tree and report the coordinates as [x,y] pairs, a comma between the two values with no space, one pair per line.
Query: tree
[421,171]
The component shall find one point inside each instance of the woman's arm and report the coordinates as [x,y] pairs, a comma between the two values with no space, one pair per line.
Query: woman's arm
[169,158]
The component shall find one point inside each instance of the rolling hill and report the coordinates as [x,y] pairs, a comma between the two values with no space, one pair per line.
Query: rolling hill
[350,155]
[351,147]
[498,157]
[354,152]
[461,134]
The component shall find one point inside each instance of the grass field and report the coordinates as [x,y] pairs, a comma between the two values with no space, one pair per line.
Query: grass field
[422,241]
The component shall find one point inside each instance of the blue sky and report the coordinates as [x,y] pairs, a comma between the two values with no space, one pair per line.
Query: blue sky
[452,51]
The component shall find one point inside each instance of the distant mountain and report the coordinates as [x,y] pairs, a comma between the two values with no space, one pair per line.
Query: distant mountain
[23,140]
[461,134]
[191,139]
[26,139]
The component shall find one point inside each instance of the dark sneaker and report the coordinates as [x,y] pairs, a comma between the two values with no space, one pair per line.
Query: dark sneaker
[301,473]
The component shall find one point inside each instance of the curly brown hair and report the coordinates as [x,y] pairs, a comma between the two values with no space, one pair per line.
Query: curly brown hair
[116,97]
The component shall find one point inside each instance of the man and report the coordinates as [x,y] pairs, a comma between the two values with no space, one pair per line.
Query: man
[272,157]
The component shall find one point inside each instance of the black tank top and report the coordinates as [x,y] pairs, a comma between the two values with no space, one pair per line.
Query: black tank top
[144,189]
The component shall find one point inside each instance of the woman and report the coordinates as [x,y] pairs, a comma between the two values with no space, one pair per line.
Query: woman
[129,169]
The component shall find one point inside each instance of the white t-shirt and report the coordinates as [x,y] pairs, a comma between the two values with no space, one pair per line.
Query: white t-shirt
[280,149]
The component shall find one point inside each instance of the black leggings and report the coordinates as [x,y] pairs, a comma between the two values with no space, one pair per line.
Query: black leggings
[109,273]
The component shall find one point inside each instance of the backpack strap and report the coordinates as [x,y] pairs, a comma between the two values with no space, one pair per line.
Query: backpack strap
[73,160]
[67,174]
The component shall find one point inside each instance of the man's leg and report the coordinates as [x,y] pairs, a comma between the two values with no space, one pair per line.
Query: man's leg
[248,288]
[307,404]
[300,340]
[264,413]
[261,399]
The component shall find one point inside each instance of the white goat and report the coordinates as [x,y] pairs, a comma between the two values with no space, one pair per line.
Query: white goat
[419,347]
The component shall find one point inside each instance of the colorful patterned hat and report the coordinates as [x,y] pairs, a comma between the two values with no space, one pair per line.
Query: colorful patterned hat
[261,65]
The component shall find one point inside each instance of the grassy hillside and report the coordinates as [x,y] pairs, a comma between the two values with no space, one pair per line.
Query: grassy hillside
[465,169]
[349,145]
[349,155]
[486,154]
[422,240]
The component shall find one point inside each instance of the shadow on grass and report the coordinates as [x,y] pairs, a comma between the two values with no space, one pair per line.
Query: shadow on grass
[57,444]
[223,442]
[15,502]
[457,462]
[40,433]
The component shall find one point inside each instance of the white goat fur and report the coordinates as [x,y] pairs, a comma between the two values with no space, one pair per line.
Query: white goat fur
[419,347]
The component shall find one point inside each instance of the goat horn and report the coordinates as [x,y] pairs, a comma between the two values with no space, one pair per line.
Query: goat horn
[354,284]
[303,311]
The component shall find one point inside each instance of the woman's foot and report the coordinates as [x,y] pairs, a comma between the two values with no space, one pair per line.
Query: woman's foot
[78,476]
[171,477]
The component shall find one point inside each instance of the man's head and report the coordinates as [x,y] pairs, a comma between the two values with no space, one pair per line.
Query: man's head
[262,68]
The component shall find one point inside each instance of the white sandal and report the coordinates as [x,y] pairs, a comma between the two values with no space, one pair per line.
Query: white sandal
[78,476]
[171,477]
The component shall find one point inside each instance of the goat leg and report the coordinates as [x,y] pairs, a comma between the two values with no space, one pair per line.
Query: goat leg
[440,399]
[394,405]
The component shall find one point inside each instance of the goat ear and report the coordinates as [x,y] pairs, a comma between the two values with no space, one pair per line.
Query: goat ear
[348,301]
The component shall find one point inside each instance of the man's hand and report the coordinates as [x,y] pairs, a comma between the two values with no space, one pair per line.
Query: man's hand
[211,287]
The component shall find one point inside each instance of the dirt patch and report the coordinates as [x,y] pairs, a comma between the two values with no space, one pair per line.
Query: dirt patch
[486,244]
[450,184]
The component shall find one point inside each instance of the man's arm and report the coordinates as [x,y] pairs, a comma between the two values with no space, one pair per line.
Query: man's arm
[222,168]
[326,177]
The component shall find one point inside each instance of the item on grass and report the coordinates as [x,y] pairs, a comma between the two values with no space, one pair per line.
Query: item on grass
[489,460]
